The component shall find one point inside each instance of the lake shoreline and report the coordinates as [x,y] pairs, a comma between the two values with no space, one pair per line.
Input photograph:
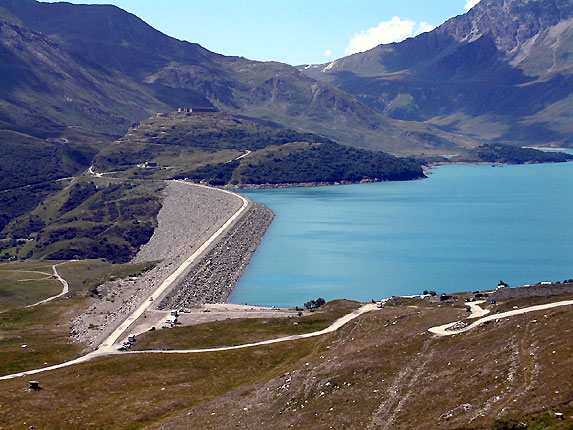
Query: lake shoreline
[339,237]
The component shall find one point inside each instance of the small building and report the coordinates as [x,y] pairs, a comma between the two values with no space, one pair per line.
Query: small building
[197,109]
[502,285]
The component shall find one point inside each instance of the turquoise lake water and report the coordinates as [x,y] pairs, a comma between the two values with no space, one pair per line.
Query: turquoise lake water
[464,228]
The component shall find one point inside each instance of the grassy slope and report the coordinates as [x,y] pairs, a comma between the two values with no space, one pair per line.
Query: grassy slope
[386,369]
[45,329]
[93,218]
[31,168]
[383,366]
[24,284]
[202,147]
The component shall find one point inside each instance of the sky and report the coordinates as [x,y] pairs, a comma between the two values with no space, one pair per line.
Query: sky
[295,32]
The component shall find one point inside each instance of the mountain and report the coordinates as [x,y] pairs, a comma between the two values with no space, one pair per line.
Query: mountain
[99,68]
[501,72]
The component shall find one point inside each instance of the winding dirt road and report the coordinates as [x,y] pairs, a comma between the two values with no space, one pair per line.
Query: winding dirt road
[65,285]
[447,330]
[333,327]
[113,351]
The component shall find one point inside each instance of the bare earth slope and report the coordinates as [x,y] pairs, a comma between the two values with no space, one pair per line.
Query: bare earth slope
[189,215]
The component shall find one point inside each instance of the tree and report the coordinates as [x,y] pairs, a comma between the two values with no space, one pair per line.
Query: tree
[313,304]
[310,304]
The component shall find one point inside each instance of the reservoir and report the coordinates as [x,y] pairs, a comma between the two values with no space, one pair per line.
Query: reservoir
[464,228]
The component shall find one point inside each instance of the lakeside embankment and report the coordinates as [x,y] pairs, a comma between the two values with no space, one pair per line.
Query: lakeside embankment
[310,184]
[190,214]
[213,278]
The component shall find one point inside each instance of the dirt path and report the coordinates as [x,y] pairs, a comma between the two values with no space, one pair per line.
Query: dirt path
[113,351]
[333,327]
[448,330]
[65,285]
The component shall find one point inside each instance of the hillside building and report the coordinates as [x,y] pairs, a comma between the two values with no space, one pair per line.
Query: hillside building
[197,109]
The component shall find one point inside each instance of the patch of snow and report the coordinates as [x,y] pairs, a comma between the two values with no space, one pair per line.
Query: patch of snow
[330,66]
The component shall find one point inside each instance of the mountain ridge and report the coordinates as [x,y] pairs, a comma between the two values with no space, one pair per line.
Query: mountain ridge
[501,72]
[128,60]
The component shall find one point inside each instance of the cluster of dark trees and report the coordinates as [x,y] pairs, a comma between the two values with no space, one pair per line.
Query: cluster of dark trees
[326,162]
[331,162]
[14,203]
[509,154]
[313,304]
[213,174]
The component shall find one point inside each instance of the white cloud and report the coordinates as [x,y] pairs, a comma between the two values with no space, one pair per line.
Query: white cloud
[327,53]
[424,27]
[395,30]
[470,4]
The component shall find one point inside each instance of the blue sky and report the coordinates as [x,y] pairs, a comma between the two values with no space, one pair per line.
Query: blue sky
[291,31]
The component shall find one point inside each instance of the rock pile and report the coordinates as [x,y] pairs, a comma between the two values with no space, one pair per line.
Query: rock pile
[213,278]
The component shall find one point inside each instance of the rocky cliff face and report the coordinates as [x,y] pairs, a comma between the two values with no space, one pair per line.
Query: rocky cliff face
[502,71]
[510,23]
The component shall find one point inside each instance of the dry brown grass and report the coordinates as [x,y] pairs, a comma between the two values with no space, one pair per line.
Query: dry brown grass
[386,371]
[125,392]
[382,370]
[241,331]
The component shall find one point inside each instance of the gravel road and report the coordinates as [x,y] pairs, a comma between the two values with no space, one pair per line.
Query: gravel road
[189,216]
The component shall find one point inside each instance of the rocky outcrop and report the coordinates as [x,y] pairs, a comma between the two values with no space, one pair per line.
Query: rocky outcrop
[509,22]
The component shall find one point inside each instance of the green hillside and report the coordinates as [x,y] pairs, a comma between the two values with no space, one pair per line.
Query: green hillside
[221,149]
[89,219]
[98,69]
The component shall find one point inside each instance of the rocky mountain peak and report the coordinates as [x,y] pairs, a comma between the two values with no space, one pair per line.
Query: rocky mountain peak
[510,23]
